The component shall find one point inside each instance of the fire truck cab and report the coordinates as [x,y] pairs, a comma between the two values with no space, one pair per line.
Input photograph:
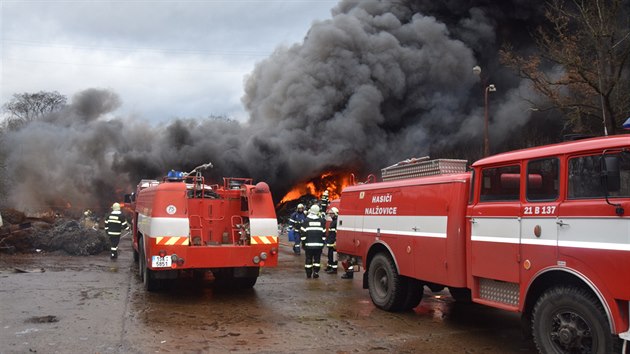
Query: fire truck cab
[183,226]
[543,231]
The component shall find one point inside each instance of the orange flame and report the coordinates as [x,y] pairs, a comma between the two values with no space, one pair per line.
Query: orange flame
[333,182]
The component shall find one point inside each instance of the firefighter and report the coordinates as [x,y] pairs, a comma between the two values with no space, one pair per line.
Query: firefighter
[324,202]
[295,225]
[115,223]
[331,241]
[313,238]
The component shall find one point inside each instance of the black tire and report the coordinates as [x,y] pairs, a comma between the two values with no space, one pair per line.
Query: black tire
[387,288]
[141,259]
[245,283]
[223,279]
[415,290]
[146,274]
[571,320]
[462,295]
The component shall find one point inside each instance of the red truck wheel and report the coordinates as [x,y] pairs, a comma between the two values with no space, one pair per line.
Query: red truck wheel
[387,288]
[571,320]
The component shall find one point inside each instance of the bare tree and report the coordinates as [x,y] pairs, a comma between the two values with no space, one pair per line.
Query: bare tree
[583,63]
[27,107]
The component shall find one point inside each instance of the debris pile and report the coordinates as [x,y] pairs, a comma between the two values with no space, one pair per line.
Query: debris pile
[71,237]
[49,233]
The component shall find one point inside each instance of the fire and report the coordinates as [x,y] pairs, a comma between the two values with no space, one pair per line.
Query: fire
[333,182]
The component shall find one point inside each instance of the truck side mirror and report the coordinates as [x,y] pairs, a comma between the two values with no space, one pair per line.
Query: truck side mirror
[610,175]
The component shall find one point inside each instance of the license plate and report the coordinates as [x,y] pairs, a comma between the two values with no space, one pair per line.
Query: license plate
[161,262]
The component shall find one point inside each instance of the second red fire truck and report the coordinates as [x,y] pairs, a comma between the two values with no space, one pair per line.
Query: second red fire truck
[543,231]
[185,227]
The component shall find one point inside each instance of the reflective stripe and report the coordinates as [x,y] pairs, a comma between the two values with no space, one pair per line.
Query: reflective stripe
[312,228]
[316,265]
[334,266]
[114,221]
[267,240]
[170,241]
[308,266]
[314,244]
[113,233]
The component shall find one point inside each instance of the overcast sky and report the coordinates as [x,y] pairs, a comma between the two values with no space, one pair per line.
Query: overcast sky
[165,59]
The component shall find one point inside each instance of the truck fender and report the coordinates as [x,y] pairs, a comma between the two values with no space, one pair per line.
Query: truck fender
[376,247]
[601,294]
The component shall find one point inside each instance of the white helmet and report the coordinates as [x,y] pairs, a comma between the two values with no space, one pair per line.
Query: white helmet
[116,206]
[326,192]
[334,210]
[300,206]
[314,209]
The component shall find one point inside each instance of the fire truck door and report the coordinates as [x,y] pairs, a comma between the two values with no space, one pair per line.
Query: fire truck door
[539,233]
[496,226]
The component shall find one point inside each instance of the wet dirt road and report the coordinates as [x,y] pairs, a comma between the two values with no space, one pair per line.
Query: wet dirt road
[93,305]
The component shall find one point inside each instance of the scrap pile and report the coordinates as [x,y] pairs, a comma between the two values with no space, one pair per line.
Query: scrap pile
[49,233]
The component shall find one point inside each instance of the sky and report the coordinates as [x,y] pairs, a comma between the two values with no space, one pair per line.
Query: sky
[165,59]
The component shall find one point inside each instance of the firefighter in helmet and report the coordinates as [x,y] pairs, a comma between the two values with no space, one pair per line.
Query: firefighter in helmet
[313,238]
[324,202]
[115,223]
[331,241]
[295,225]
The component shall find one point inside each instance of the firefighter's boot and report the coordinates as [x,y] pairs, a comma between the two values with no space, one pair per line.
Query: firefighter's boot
[114,253]
[315,275]
[331,270]
[328,268]
[348,275]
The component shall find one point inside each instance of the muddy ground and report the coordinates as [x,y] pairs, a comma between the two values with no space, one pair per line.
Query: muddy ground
[56,303]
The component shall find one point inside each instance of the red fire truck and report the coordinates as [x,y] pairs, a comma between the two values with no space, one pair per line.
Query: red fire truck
[183,226]
[543,231]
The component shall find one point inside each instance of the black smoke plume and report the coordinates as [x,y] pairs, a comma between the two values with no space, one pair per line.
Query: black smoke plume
[378,82]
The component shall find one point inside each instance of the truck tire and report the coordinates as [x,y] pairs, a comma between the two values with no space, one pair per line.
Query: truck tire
[571,320]
[387,288]
[146,274]
[141,259]
[245,283]
[462,295]
[415,290]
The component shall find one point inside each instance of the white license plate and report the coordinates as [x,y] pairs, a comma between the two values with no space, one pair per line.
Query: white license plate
[161,262]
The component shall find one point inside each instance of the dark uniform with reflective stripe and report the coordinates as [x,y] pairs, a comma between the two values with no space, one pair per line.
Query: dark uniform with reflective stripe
[323,204]
[295,223]
[115,223]
[313,238]
[331,243]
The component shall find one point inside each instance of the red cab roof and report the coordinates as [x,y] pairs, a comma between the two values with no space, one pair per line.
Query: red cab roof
[615,141]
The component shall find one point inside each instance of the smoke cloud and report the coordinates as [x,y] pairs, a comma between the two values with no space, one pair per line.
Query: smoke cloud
[378,82]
